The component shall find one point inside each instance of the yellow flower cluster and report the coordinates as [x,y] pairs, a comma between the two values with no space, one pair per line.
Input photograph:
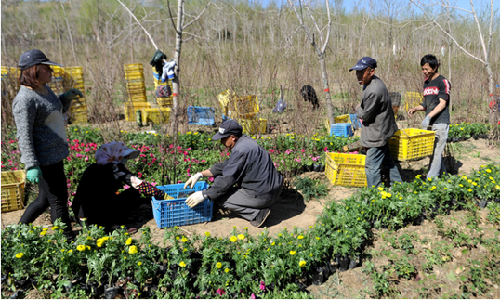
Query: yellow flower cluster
[128,241]
[101,241]
[133,250]
[81,248]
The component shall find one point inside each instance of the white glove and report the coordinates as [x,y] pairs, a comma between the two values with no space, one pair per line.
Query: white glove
[192,181]
[136,182]
[195,199]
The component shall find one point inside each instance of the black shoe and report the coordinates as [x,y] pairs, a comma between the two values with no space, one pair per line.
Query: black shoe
[261,217]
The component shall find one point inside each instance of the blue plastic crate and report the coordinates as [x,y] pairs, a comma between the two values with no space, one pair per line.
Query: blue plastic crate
[356,124]
[171,213]
[201,115]
[341,129]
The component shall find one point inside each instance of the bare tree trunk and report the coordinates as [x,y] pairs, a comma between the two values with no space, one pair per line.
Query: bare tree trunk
[326,89]
[175,82]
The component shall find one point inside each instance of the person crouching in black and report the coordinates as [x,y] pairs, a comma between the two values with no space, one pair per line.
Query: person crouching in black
[309,94]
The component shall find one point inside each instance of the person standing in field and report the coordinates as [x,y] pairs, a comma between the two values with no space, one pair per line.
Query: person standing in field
[378,124]
[437,115]
[250,168]
[38,114]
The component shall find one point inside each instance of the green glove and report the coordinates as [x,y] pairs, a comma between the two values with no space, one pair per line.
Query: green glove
[72,93]
[34,174]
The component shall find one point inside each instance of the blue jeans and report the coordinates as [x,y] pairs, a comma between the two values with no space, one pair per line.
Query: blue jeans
[436,164]
[375,157]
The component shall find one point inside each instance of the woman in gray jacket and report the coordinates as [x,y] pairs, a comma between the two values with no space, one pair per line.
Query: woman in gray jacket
[38,113]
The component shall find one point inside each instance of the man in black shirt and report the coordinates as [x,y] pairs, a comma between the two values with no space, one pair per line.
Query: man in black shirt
[250,167]
[437,115]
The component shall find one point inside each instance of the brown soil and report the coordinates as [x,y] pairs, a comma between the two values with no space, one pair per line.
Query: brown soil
[291,210]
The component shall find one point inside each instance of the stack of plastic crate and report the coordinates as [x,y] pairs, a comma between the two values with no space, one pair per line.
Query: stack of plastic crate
[136,90]
[412,99]
[164,102]
[244,110]
[71,77]
[79,106]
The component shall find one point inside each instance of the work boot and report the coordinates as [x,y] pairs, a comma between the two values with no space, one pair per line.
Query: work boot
[261,217]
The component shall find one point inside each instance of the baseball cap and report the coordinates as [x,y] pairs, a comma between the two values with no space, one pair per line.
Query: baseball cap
[34,57]
[229,127]
[364,63]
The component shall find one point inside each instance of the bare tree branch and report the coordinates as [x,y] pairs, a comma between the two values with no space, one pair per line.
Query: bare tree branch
[149,35]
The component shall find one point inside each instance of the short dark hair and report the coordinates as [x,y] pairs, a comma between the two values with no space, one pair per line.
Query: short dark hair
[29,77]
[431,60]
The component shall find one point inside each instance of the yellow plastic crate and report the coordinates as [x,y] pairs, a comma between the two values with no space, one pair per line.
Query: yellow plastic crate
[156,115]
[253,126]
[411,144]
[133,67]
[79,117]
[244,105]
[130,110]
[165,102]
[82,106]
[13,190]
[412,99]
[343,119]
[346,169]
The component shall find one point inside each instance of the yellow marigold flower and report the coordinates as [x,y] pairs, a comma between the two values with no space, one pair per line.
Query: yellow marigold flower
[474,183]
[43,233]
[139,263]
[460,185]
[273,243]
[300,237]
[132,250]
[317,238]
[233,239]
[488,170]
[207,234]
[302,263]
[182,264]
[219,265]
[469,190]
[62,250]
[226,270]
[54,228]
[293,252]
[184,239]
[89,238]
[497,187]
[88,247]
[128,241]
[241,236]
[70,251]
[80,248]
[45,229]
[19,255]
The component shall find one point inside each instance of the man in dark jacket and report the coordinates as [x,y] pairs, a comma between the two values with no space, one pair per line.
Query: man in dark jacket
[379,123]
[250,167]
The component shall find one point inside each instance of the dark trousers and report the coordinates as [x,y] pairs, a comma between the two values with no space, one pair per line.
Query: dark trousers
[245,204]
[375,157]
[53,192]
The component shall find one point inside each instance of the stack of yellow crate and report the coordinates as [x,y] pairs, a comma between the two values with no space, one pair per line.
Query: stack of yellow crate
[160,115]
[244,110]
[167,102]
[71,77]
[136,90]
[412,99]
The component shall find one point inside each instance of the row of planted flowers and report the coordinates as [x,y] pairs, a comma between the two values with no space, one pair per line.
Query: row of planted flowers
[240,265]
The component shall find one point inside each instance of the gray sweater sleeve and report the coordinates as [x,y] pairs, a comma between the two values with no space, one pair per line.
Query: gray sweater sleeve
[24,115]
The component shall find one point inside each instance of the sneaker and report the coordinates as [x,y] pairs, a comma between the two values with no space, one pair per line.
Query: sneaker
[261,217]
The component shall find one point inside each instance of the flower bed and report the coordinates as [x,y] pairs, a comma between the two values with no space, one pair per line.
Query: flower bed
[241,266]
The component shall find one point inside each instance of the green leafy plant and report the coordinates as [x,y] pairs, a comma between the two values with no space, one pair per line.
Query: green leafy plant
[311,187]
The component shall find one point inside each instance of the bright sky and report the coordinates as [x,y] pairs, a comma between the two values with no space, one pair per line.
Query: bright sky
[349,4]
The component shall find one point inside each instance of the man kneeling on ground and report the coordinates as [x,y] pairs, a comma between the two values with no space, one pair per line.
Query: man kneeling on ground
[250,167]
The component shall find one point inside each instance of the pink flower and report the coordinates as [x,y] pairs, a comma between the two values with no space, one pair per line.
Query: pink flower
[262,286]
[203,161]
[297,160]
[211,179]
[314,159]
[326,149]
[15,168]
[302,150]
[69,158]
[139,174]
[126,187]
[171,146]
[252,296]
[220,292]
[154,183]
